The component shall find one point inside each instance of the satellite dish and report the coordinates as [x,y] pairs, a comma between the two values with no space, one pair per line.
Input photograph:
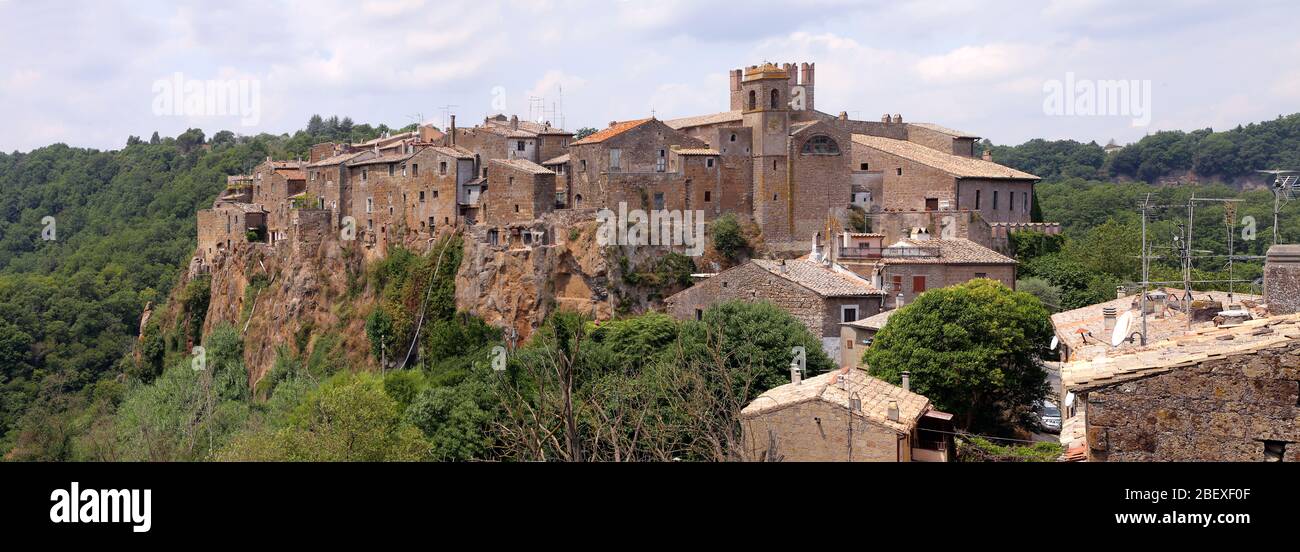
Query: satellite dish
[1055,341]
[1121,329]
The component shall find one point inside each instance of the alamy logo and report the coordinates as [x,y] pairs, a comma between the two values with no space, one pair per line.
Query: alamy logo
[182,97]
[661,227]
[102,506]
[1105,98]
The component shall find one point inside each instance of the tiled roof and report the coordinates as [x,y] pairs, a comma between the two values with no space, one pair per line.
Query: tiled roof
[523,165]
[613,130]
[944,130]
[1090,318]
[875,395]
[292,174]
[822,280]
[390,158]
[696,151]
[526,129]
[386,139]
[336,159]
[873,322]
[956,165]
[1182,351]
[558,160]
[703,120]
[456,152]
[951,251]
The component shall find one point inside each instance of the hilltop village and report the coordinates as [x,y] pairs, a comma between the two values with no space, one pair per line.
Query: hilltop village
[938,212]
[939,209]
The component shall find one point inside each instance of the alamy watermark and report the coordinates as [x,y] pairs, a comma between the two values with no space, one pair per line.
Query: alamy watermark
[183,97]
[1103,98]
[661,227]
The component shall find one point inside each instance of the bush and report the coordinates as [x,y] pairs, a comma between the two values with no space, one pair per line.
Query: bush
[728,238]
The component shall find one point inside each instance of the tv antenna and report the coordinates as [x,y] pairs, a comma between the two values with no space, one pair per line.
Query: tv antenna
[447,111]
[1286,187]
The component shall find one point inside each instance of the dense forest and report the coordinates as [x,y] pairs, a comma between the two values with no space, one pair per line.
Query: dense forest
[124,230]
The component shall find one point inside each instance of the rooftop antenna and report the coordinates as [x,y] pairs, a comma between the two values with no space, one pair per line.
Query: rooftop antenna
[447,111]
[1286,187]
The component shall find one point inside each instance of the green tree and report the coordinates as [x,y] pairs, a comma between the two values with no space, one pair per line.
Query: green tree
[974,349]
[728,238]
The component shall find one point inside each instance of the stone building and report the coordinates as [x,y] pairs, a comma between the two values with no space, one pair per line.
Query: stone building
[916,176]
[519,191]
[819,295]
[226,224]
[844,415]
[1226,393]
[856,336]
[641,163]
[500,137]
[910,266]
[274,183]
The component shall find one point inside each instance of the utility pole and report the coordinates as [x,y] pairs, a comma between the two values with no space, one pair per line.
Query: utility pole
[1146,266]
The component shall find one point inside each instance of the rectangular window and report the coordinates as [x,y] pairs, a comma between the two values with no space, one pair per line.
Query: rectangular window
[900,171]
[415,169]
[659,200]
[863,166]
[584,165]
[435,194]
[918,284]
[995,200]
[370,205]
[708,162]
[363,175]
[390,169]
[699,314]
[848,313]
[403,170]
[442,167]
[615,159]
[1011,201]
[977,200]
[848,344]
[519,145]
[707,196]
[421,196]
[660,163]
[898,283]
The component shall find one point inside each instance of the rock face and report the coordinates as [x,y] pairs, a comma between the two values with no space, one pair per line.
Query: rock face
[301,290]
[517,287]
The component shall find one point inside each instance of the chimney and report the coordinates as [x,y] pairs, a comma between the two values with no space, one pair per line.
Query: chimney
[784,269]
[453,130]
[907,380]
[885,118]
[1120,292]
[1282,279]
[898,119]
[1107,320]
[988,155]
[794,373]
[844,115]
[514,122]
[893,411]
[841,381]
[612,123]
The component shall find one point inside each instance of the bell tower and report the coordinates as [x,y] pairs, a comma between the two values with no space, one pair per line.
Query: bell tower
[766,111]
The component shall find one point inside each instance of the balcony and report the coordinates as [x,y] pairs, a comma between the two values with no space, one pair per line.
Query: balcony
[863,252]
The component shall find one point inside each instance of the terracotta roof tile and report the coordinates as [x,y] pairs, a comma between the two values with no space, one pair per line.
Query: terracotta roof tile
[956,165]
[944,130]
[613,130]
[875,395]
[523,165]
[950,251]
[702,120]
[822,280]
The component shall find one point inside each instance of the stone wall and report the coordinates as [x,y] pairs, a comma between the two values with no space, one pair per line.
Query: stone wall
[815,431]
[515,195]
[909,190]
[1221,409]
[1014,198]
[1282,279]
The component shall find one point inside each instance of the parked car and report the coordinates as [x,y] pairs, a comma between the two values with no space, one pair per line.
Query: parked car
[1049,416]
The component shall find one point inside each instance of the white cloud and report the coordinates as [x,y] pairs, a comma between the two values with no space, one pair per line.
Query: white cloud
[979,63]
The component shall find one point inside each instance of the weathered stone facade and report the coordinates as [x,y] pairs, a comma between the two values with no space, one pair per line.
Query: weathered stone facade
[1224,409]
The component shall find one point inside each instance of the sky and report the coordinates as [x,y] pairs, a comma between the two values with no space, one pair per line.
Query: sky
[90,73]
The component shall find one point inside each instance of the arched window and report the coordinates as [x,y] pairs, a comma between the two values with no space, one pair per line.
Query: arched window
[821,145]
[577,201]
[753,101]
[776,99]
